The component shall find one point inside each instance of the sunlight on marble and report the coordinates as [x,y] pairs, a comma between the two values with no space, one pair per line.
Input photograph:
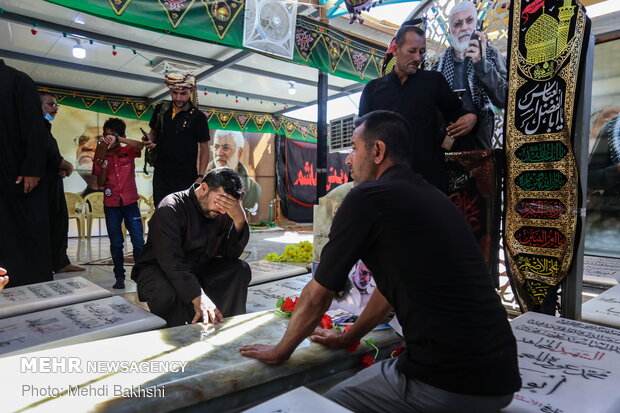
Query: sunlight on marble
[237,327]
[290,238]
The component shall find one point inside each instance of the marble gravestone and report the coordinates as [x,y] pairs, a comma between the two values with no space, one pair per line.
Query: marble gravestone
[76,323]
[566,366]
[265,271]
[35,297]
[265,296]
[603,309]
[160,371]
[601,270]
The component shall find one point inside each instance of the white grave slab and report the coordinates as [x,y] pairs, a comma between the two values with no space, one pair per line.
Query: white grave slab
[265,271]
[566,366]
[604,309]
[299,400]
[42,296]
[265,296]
[72,324]
[605,267]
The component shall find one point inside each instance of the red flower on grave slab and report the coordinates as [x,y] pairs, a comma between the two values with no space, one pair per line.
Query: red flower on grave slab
[368,360]
[289,305]
[326,322]
[354,346]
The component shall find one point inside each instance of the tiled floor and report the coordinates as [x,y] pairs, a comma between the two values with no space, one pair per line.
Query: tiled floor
[83,250]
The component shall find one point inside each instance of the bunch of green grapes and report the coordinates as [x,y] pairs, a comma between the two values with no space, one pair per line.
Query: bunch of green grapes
[301,252]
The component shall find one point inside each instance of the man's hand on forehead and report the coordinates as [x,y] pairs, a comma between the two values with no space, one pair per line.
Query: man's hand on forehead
[230,206]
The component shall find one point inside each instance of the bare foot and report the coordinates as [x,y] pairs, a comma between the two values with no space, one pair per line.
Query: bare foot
[70,268]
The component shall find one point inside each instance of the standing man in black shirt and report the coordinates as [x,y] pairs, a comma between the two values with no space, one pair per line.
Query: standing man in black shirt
[419,96]
[461,355]
[57,169]
[190,267]
[180,133]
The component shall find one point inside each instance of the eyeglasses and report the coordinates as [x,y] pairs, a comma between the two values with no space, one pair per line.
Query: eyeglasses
[83,140]
[224,148]
[52,105]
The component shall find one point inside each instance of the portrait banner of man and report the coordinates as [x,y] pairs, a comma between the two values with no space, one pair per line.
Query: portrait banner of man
[359,288]
[227,150]
[77,132]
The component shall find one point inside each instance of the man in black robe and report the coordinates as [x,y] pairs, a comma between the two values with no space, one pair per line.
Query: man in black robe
[189,268]
[24,145]
[57,169]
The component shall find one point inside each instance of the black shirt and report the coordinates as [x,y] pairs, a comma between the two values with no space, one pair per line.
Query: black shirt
[177,146]
[428,265]
[182,240]
[419,100]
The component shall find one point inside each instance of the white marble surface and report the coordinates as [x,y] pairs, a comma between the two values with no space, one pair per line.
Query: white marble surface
[566,366]
[600,267]
[50,294]
[265,296]
[76,323]
[603,309]
[299,400]
[266,271]
[173,367]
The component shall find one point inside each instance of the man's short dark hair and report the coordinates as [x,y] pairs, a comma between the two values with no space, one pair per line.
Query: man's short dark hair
[390,128]
[43,94]
[225,178]
[402,32]
[116,125]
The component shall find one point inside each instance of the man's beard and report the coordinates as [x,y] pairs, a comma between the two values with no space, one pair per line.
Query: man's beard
[234,160]
[460,47]
[208,213]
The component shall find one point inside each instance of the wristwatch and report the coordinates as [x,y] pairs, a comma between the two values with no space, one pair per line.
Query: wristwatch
[201,176]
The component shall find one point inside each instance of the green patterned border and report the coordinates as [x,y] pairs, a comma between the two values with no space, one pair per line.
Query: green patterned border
[316,44]
[138,108]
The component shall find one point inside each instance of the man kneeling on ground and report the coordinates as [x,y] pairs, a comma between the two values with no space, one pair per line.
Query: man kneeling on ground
[461,355]
[190,269]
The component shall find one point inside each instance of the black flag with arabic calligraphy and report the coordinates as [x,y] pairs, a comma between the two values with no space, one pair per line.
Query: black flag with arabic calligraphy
[297,176]
[547,48]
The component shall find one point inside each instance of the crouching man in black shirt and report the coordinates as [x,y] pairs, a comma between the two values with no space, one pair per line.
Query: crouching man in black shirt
[190,268]
[460,353]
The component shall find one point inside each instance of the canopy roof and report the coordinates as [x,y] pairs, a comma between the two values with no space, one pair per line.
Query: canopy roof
[122,59]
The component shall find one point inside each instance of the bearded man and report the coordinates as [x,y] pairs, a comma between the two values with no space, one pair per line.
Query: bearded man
[189,269]
[227,151]
[477,72]
[180,134]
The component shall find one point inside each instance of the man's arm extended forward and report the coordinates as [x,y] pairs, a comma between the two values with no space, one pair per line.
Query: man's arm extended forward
[313,302]
[376,310]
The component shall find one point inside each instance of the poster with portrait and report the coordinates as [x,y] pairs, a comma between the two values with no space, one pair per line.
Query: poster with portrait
[252,156]
[357,292]
[77,131]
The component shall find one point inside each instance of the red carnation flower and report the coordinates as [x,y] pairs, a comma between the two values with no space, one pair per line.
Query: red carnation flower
[289,305]
[326,322]
[368,360]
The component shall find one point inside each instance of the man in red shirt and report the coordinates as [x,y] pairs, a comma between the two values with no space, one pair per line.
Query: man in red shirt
[116,175]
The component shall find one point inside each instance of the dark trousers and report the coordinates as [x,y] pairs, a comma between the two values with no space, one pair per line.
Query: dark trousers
[59,223]
[114,217]
[225,281]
